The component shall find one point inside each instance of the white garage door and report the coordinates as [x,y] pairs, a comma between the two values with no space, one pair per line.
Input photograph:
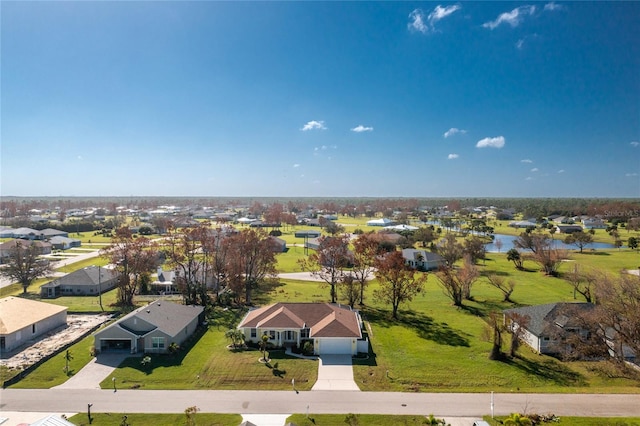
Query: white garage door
[335,346]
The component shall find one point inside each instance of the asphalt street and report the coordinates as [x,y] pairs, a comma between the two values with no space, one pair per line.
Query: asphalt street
[337,402]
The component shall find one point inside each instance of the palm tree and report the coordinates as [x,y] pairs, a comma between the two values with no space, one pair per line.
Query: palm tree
[517,419]
[263,346]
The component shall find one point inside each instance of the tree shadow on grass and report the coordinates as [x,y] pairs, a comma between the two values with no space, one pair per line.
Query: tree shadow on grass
[425,326]
[275,370]
[548,369]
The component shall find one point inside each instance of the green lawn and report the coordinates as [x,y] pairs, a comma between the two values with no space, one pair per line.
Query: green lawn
[51,373]
[432,347]
[115,419]
[208,364]
[580,421]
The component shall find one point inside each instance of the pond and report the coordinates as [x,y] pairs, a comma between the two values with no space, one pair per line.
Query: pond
[507,244]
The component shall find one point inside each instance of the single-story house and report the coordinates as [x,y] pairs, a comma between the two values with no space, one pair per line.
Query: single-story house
[381,222]
[594,223]
[151,328]
[307,233]
[569,229]
[22,320]
[89,281]
[50,233]
[401,227]
[422,260]
[28,234]
[6,248]
[165,283]
[64,243]
[522,224]
[279,245]
[333,329]
[546,325]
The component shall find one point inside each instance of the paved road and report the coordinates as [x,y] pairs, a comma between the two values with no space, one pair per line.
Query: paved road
[278,402]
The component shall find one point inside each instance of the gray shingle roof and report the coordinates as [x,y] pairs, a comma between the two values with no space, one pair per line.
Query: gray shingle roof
[542,318]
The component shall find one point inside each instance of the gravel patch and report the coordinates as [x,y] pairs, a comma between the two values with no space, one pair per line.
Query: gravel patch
[77,326]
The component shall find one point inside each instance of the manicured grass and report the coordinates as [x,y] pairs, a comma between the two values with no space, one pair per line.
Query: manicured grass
[579,421]
[208,364]
[115,419]
[362,419]
[87,304]
[51,373]
[288,261]
[436,347]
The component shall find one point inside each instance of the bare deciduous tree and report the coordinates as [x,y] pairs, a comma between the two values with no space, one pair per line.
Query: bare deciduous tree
[504,285]
[398,282]
[24,264]
[328,262]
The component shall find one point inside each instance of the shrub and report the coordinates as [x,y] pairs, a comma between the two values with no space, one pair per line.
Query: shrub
[307,348]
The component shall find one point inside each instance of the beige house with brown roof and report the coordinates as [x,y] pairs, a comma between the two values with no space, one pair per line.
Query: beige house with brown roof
[22,320]
[333,329]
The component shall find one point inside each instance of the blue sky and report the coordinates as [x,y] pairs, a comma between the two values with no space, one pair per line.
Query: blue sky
[390,99]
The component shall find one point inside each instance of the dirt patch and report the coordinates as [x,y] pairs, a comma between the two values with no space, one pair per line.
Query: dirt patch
[77,326]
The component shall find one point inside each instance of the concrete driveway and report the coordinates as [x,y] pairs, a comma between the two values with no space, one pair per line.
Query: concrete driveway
[98,369]
[335,372]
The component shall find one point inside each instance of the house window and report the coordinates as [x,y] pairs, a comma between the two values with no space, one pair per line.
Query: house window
[304,333]
[254,333]
[289,335]
[272,334]
[33,328]
[157,342]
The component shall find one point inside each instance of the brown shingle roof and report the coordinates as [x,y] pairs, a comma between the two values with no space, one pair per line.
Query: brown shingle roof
[323,319]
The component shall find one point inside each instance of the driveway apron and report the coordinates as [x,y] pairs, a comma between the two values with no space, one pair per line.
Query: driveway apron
[98,369]
[335,372]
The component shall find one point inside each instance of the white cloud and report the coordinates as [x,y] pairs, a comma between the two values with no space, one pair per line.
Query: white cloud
[561,171]
[634,144]
[513,18]
[529,178]
[519,44]
[454,131]
[295,166]
[452,156]
[80,157]
[526,160]
[552,6]
[497,142]
[631,174]
[313,124]
[535,169]
[420,22]
[360,128]
[417,23]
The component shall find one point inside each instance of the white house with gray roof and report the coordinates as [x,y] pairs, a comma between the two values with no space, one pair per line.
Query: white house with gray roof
[89,281]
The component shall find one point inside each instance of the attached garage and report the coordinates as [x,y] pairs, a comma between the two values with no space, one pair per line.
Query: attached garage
[114,345]
[328,346]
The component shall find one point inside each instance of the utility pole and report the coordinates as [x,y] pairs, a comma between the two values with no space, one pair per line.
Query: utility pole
[100,288]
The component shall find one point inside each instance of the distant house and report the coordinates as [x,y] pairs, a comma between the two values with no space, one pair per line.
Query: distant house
[6,248]
[89,281]
[422,260]
[381,222]
[279,245]
[569,229]
[594,223]
[50,232]
[333,329]
[27,234]
[307,233]
[522,224]
[165,283]
[151,328]
[547,325]
[64,243]
[22,320]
